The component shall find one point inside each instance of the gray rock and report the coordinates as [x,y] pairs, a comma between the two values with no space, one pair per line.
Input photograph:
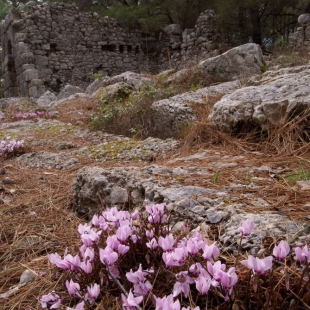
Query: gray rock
[132,187]
[170,114]
[133,79]
[271,103]
[47,160]
[237,63]
[8,181]
[69,90]
[266,224]
[108,93]
[304,19]
[26,277]
[173,29]
[46,99]
[2,115]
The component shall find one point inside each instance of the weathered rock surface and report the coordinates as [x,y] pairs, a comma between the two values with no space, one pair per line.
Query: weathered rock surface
[133,186]
[237,63]
[133,79]
[68,91]
[46,99]
[171,114]
[119,90]
[278,97]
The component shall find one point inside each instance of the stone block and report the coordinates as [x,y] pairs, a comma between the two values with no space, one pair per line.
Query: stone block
[27,67]
[41,61]
[20,48]
[36,91]
[24,58]
[30,74]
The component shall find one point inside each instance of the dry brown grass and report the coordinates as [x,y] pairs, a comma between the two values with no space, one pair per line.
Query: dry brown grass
[35,222]
[291,138]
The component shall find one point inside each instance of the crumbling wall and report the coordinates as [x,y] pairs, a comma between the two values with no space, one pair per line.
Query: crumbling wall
[301,37]
[51,45]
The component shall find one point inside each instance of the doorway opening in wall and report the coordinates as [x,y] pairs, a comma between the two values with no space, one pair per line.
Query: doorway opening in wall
[10,73]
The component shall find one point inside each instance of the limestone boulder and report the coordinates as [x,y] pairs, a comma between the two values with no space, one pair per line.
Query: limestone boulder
[303,19]
[169,115]
[237,63]
[173,29]
[68,91]
[108,93]
[46,99]
[95,188]
[131,78]
[279,96]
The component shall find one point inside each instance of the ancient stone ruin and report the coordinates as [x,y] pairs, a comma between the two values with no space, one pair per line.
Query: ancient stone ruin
[301,37]
[51,45]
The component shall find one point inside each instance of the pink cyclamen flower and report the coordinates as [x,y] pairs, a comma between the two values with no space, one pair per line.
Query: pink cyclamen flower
[203,282]
[194,245]
[259,266]
[131,301]
[51,300]
[93,291]
[73,288]
[215,271]
[281,251]
[229,279]
[137,276]
[123,232]
[108,256]
[152,244]
[157,213]
[122,249]
[210,252]
[182,284]
[79,306]
[303,254]
[167,243]
[135,215]
[166,303]
[247,227]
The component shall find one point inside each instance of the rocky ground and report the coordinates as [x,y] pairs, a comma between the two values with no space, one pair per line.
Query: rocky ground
[68,172]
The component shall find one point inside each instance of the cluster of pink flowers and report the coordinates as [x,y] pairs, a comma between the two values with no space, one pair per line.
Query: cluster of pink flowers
[10,146]
[27,115]
[114,234]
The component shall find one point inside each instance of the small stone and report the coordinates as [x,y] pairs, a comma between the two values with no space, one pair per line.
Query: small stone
[26,277]
[8,180]
[2,171]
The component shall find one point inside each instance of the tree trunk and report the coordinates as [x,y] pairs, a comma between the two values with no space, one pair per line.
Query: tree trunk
[256,26]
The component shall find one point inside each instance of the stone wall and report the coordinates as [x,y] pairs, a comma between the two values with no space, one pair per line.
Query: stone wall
[301,37]
[51,45]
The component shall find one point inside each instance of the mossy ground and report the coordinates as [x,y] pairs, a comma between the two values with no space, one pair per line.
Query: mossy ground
[111,150]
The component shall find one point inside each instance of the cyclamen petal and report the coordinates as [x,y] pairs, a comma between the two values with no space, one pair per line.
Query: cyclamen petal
[167,243]
[303,254]
[79,306]
[281,250]
[131,301]
[259,266]
[51,300]
[108,256]
[73,288]
[210,252]
[247,227]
